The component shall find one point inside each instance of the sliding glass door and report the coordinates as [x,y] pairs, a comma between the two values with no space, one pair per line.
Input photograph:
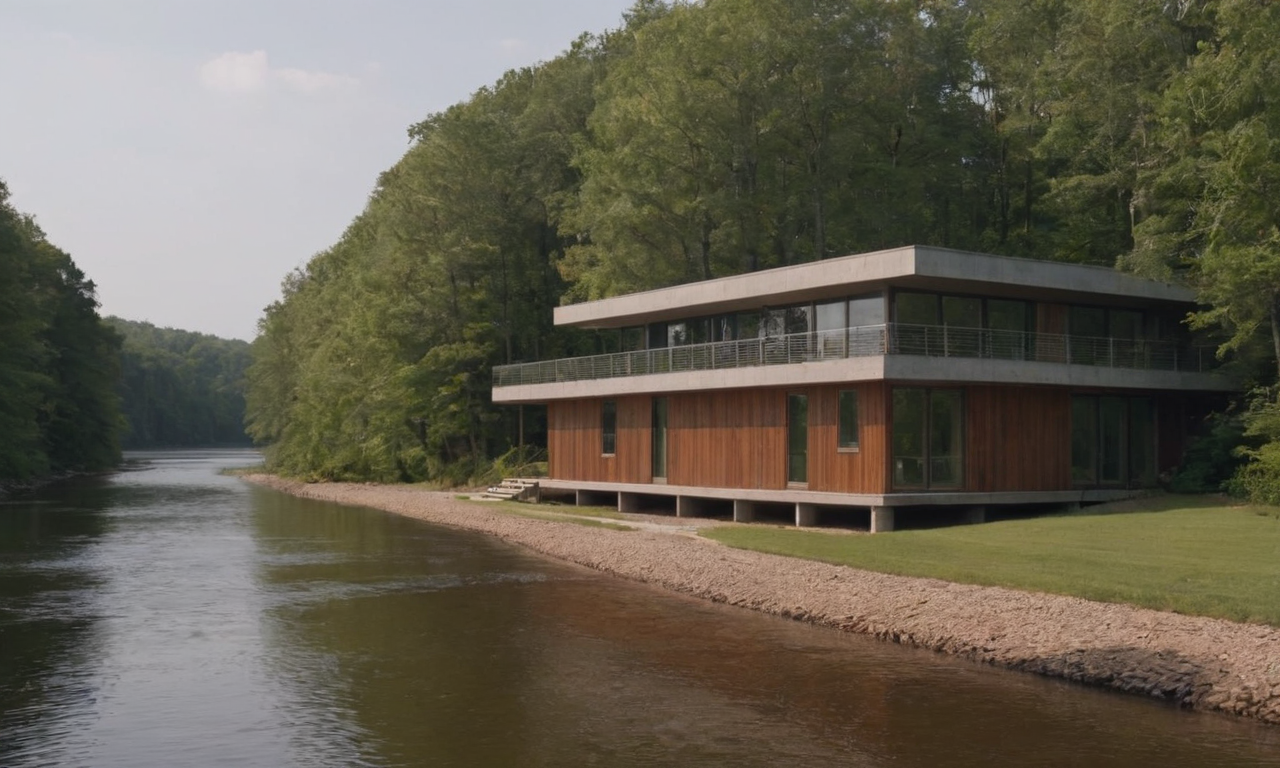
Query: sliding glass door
[928,438]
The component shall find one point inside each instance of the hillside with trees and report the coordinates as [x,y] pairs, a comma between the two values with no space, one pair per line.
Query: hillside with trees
[58,361]
[705,139]
[180,388]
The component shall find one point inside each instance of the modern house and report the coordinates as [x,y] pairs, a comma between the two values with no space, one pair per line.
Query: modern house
[882,382]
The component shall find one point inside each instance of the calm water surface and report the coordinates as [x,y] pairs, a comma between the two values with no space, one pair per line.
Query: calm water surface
[170,616]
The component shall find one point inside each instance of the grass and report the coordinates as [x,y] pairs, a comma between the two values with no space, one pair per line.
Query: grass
[1185,554]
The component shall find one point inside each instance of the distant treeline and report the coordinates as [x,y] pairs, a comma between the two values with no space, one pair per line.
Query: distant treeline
[704,139]
[180,388]
[59,411]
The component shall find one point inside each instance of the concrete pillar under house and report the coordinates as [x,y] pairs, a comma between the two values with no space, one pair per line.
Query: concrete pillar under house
[744,511]
[806,515]
[881,519]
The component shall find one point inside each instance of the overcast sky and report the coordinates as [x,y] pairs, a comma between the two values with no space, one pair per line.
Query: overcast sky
[188,154]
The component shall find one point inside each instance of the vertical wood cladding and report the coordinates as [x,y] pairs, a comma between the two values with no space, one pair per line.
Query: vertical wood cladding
[730,439]
[861,471]
[727,439]
[1017,439]
[574,441]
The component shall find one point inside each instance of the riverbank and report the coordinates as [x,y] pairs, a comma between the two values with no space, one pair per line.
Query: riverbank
[1200,663]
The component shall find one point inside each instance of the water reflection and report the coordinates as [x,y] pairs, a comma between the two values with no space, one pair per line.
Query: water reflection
[172,616]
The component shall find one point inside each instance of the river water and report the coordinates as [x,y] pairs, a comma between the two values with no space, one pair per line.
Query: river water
[171,616]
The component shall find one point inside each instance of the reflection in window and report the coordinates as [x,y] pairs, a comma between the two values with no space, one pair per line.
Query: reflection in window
[609,428]
[797,439]
[908,438]
[1084,440]
[848,427]
[928,438]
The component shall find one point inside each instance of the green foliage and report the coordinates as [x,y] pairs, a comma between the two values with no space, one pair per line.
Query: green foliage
[1258,478]
[1211,458]
[180,388]
[59,411]
[708,139]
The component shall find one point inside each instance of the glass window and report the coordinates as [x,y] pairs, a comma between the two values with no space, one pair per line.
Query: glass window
[1112,446]
[946,436]
[1006,315]
[1088,321]
[962,317]
[848,429]
[866,310]
[1008,324]
[797,439]
[1084,440]
[829,323]
[829,316]
[698,330]
[909,417]
[658,439]
[962,311]
[1142,442]
[798,319]
[749,325]
[1124,324]
[773,322]
[724,328]
[657,335]
[609,427]
[1087,327]
[677,334]
[632,339]
[916,308]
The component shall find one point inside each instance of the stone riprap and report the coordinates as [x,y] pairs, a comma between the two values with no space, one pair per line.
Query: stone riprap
[1200,663]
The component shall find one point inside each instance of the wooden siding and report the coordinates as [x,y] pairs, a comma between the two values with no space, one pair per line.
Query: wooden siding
[574,441]
[1017,439]
[863,471]
[734,439]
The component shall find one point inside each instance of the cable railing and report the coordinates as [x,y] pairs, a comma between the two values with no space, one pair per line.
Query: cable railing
[865,341]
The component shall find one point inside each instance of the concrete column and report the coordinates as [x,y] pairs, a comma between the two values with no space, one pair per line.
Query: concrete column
[628,502]
[806,515]
[975,515]
[687,506]
[744,511]
[580,498]
[881,519]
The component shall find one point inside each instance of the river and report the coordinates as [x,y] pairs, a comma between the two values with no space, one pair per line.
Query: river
[168,615]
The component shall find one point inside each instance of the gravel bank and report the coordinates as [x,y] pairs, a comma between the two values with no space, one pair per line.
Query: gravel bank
[1207,664]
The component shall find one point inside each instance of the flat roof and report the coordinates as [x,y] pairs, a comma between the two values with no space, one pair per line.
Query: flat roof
[915,267]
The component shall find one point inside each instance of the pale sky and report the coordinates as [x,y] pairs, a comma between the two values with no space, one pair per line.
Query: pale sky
[189,153]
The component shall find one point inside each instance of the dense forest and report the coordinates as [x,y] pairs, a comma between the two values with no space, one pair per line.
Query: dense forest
[180,388]
[59,362]
[703,139]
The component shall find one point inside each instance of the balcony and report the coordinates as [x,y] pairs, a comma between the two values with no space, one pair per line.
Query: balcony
[867,341]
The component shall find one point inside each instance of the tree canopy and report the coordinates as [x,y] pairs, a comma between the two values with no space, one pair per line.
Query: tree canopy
[59,363]
[704,139]
[180,388]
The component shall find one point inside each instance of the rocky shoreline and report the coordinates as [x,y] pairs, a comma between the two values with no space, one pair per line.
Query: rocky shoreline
[1198,663]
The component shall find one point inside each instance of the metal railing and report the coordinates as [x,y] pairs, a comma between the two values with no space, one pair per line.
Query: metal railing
[865,341]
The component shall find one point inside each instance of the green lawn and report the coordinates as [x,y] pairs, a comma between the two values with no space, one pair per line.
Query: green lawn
[1173,553]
